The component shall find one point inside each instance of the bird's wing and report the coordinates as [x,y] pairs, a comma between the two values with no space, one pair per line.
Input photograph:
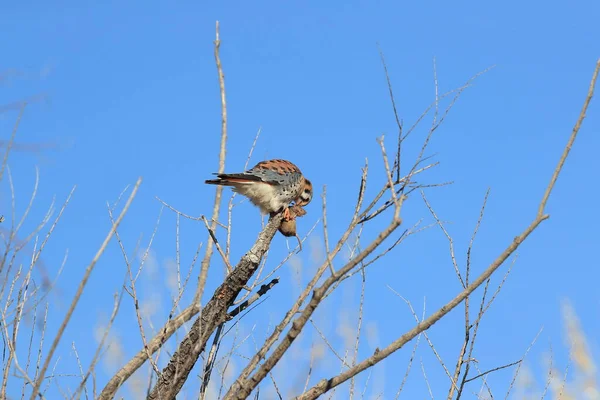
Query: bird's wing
[272,172]
[276,172]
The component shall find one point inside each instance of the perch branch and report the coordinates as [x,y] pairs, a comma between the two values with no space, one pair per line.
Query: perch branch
[212,315]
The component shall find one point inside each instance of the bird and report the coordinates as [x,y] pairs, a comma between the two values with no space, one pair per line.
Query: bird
[270,185]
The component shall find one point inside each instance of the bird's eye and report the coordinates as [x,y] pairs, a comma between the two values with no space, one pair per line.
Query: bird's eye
[307,191]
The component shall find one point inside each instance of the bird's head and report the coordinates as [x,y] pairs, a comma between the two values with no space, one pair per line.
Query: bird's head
[306,194]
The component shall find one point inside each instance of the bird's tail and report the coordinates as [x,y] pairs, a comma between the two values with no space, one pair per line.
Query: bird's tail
[231,179]
[214,182]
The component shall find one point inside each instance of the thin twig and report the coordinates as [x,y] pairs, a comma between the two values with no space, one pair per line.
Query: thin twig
[426,380]
[95,359]
[325,231]
[408,367]
[328,384]
[330,346]
[12,139]
[493,370]
[80,289]
[514,379]
[216,242]
[358,328]
[450,240]
[429,342]
[397,118]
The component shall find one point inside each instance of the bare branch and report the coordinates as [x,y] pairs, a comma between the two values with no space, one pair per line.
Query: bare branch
[325,232]
[172,325]
[213,314]
[108,392]
[358,327]
[92,366]
[426,380]
[408,367]
[520,362]
[80,289]
[567,149]
[450,240]
[219,190]
[211,232]
[244,386]
[493,370]
[429,342]
[261,292]
[327,384]
[11,140]
[398,122]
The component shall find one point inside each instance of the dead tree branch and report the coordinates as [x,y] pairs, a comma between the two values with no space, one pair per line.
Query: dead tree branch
[212,315]
[219,190]
[246,382]
[193,309]
[328,384]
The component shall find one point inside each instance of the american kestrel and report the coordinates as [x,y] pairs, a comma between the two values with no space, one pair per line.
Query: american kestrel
[271,185]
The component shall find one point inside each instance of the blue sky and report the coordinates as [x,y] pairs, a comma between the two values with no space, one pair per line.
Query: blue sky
[131,90]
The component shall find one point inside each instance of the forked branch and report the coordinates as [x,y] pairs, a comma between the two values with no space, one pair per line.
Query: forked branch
[328,384]
[212,315]
[172,325]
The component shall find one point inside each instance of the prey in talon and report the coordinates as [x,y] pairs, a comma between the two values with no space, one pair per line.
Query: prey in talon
[270,185]
[288,227]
